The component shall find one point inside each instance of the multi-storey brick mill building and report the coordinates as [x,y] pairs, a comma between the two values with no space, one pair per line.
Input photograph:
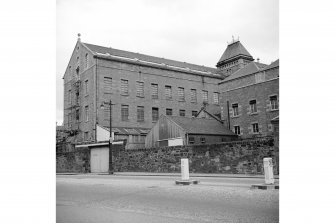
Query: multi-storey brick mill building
[141,88]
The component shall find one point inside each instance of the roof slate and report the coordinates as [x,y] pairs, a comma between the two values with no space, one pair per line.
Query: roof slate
[132,55]
[201,126]
[234,50]
[272,65]
[248,69]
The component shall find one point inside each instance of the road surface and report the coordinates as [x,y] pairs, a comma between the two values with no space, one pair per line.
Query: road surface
[116,198]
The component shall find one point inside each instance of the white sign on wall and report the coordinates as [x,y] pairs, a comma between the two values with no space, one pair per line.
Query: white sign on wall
[175,142]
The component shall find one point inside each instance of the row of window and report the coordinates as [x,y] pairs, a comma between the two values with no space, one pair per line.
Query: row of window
[140,113]
[77,115]
[154,91]
[255,129]
[253,106]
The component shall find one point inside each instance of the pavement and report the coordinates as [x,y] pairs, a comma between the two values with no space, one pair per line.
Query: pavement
[258,176]
[144,198]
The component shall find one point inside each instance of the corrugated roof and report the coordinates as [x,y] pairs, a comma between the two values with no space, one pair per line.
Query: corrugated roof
[201,126]
[128,130]
[131,55]
[233,50]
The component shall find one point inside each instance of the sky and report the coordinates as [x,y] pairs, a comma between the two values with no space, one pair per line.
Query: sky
[193,31]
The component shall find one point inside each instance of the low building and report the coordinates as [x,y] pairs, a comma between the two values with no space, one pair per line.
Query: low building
[177,130]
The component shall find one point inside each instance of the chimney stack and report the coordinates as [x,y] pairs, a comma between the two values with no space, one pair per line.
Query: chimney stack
[257,60]
[79,37]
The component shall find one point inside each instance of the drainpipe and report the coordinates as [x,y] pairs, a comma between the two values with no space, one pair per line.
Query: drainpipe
[96,97]
[228,114]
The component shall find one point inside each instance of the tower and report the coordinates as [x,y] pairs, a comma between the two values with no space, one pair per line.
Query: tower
[234,58]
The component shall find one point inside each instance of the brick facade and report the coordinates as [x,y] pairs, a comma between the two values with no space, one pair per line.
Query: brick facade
[243,90]
[92,92]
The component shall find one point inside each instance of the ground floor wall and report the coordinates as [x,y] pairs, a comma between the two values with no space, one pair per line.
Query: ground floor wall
[239,157]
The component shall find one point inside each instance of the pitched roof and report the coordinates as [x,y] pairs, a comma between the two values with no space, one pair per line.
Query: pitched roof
[250,68]
[233,50]
[201,126]
[272,65]
[146,58]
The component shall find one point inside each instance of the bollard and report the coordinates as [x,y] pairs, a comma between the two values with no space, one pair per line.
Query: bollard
[185,175]
[268,171]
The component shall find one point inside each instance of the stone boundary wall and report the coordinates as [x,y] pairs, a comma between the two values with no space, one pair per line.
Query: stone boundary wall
[239,157]
[75,162]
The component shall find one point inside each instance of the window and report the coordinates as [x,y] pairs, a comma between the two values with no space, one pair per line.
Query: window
[253,106]
[168,111]
[154,91]
[205,96]
[274,102]
[216,98]
[108,83]
[86,113]
[203,140]
[140,89]
[85,136]
[140,113]
[255,128]
[124,112]
[86,60]
[194,113]
[182,113]
[155,114]
[107,113]
[191,140]
[193,96]
[86,87]
[70,96]
[235,109]
[260,77]
[181,94]
[77,114]
[124,87]
[168,92]
[237,130]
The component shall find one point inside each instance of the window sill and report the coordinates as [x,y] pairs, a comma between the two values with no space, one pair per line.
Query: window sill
[237,116]
[124,94]
[125,120]
[154,98]
[86,95]
[181,101]
[141,121]
[139,96]
[255,113]
[272,110]
[193,102]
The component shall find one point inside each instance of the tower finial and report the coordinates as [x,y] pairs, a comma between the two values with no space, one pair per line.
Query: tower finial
[79,37]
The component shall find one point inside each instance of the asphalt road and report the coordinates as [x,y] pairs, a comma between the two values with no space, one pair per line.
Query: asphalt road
[112,198]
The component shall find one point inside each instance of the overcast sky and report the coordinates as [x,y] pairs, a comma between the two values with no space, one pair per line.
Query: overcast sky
[194,31]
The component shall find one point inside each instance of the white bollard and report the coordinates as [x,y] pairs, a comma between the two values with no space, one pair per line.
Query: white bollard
[268,171]
[184,169]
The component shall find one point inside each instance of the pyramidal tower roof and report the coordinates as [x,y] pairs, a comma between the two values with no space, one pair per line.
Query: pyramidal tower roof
[234,51]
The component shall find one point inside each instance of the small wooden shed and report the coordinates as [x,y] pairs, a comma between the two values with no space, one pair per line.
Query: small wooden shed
[177,130]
